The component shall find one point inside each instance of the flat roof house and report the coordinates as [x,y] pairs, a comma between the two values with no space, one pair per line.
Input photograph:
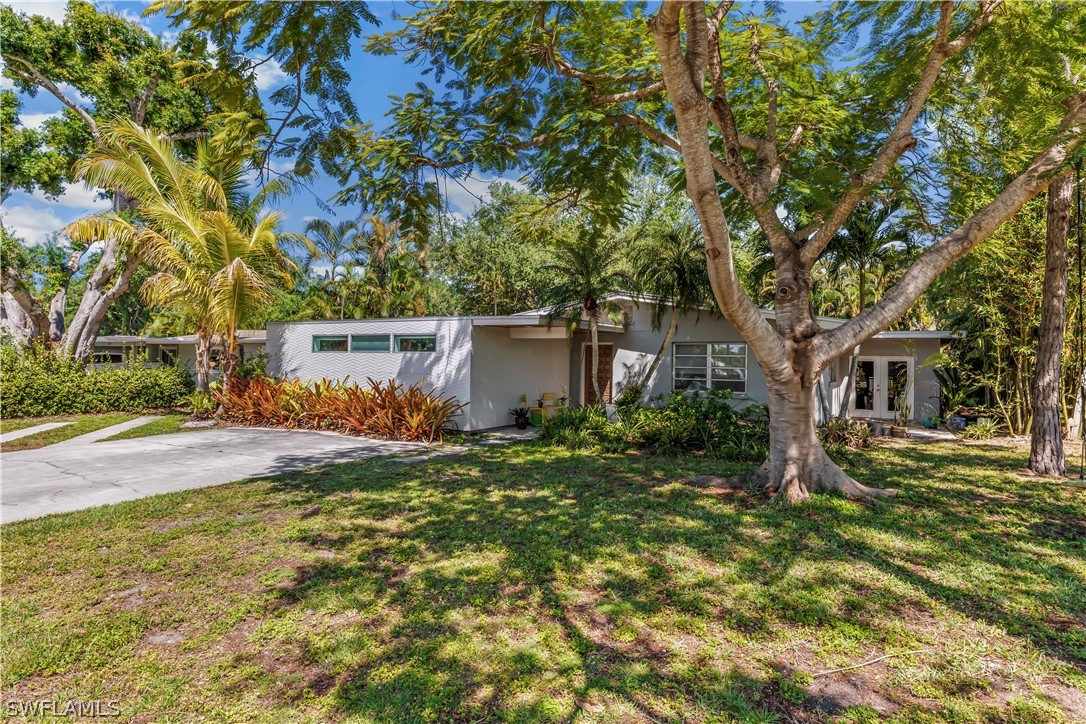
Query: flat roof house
[489,362]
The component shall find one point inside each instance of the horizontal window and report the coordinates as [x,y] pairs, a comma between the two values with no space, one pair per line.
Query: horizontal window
[370,343]
[336,343]
[717,365]
[416,343]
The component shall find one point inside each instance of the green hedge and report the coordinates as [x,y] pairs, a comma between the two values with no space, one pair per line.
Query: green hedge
[35,383]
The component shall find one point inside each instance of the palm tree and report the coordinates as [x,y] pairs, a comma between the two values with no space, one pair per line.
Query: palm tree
[215,253]
[394,279]
[671,266]
[866,245]
[338,245]
[587,270]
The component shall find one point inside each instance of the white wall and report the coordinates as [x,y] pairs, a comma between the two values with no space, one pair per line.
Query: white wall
[503,369]
[448,370]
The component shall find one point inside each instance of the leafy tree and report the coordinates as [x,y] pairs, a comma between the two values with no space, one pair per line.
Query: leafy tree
[670,265]
[215,254]
[586,270]
[495,261]
[310,42]
[101,66]
[337,245]
[25,162]
[761,120]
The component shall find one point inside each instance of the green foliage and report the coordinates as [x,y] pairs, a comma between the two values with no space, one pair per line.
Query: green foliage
[36,382]
[845,433]
[25,162]
[673,425]
[980,430]
[311,42]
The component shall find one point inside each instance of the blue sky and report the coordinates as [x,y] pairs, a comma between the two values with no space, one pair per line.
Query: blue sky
[373,80]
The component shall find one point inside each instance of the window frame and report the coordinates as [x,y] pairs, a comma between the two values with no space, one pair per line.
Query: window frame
[386,350]
[706,366]
[396,343]
[345,337]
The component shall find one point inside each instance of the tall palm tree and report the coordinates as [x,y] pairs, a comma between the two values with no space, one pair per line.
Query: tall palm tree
[671,265]
[215,253]
[867,245]
[338,245]
[394,280]
[587,270]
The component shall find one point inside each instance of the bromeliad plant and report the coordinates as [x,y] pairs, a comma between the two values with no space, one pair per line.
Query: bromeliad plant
[385,410]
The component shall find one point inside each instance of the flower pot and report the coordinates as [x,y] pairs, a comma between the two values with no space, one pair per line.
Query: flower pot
[521,423]
[899,431]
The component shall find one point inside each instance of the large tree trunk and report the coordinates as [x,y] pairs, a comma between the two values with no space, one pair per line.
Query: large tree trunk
[107,282]
[672,326]
[1046,436]
[797,465]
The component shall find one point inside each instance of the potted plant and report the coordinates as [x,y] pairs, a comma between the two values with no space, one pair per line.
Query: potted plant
[520,417]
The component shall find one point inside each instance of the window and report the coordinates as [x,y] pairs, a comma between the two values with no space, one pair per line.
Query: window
[336,343]
[416,343]
[369,343]
[717,365]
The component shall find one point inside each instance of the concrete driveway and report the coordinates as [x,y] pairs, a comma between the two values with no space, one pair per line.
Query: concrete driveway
[74,475]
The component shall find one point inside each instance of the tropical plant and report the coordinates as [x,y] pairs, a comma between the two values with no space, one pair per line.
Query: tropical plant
[670,265]
[215,252]
[985,430]
[386,410]
[336,245]
[587,270]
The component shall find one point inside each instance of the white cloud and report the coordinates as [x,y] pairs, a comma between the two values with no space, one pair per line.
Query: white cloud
[76,196]
[467,193]
[32,224]
[36,120]
[270,75]
[51,9]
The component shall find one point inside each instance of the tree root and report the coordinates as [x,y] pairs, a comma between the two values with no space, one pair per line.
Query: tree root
[794,486]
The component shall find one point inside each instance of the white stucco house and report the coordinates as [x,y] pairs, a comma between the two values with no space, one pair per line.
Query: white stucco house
[490,362]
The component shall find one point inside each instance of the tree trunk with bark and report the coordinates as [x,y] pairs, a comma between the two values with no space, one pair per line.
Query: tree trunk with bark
[854,365]
[794,351]
[1046,436]
[203,360]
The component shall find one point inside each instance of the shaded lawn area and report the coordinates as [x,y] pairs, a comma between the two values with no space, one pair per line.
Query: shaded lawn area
[81,424]
[529,583]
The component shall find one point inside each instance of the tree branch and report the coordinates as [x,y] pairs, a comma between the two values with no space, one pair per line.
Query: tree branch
[33,76]
[955,245]
[692,119]
[145,98]
[901,138]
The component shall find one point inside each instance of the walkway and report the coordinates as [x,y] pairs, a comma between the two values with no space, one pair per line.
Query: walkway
[80,473]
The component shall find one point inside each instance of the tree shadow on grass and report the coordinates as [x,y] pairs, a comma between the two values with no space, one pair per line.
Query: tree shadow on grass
[494,589]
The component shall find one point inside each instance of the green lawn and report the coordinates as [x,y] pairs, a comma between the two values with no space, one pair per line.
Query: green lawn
[165,425]
[81,424]
[528,583]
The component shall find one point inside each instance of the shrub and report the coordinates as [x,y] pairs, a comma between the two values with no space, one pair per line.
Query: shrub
[670,425]
[386,410]
[35,382]
[980,431]
[845,433]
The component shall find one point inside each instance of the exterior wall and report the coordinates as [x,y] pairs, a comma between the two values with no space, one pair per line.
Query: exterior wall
[635,348]
[926,389]
[503,369]
[448,370]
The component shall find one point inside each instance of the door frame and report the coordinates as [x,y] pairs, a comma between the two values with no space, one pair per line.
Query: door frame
[882,400]
[586,356]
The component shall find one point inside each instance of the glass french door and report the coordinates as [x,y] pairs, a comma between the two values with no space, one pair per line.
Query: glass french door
[882,386]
